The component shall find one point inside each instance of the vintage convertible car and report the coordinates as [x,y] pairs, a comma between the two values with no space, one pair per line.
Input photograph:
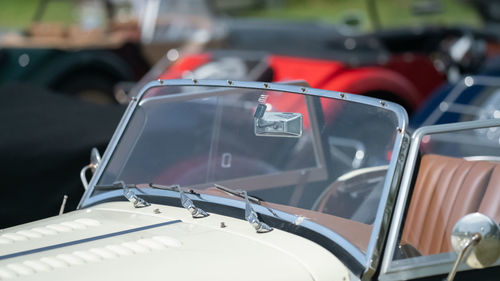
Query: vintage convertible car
[212,180]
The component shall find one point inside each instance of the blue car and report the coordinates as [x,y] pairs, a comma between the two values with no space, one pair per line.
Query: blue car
[471,98]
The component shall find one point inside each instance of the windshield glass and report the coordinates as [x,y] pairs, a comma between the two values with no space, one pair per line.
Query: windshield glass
[321,158]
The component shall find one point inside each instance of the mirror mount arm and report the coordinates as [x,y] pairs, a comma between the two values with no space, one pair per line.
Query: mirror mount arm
[471,243]
[83,176]
[95,159]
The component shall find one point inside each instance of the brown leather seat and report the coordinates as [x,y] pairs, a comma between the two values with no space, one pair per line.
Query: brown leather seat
[446,189]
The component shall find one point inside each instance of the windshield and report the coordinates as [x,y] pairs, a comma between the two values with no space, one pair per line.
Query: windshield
[320,158]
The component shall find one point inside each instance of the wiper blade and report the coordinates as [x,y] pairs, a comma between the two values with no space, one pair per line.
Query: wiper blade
[185,201]
[131,196]
[238,192]
[113,186]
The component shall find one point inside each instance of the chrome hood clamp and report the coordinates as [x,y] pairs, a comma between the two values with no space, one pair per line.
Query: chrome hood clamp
[253,219]
[189,205]
[137,201]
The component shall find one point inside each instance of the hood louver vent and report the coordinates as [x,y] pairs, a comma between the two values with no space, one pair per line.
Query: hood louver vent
[51,229]
[92,255]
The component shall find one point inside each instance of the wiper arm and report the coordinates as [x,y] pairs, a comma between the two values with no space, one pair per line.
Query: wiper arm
[139,202]
[252,218]
[250,214]
[238,192]
[127,192]
[185,201]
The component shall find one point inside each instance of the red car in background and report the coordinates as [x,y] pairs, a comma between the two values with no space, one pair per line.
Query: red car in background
[403,78]
[403,65]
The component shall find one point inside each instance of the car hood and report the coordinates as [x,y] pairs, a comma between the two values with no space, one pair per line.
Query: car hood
[114,241]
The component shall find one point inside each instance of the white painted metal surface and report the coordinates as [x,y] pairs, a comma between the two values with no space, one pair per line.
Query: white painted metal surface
[99,243]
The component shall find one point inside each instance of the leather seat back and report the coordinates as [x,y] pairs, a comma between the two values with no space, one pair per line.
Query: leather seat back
[446,189]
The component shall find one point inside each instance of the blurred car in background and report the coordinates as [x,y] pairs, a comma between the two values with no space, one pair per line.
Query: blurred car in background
[402,64]
[472,98]
[111,41]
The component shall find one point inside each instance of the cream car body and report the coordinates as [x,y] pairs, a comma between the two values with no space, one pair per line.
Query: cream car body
[115,241]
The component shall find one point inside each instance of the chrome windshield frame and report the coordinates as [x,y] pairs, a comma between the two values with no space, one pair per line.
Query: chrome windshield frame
[371,258]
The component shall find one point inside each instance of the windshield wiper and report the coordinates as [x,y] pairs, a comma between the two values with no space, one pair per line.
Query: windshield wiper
[185,201]
[131,196]
[250,214]
[238,192]
[139,202]
[252,218]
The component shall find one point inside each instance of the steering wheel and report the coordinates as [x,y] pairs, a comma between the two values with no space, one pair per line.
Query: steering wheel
[354,195]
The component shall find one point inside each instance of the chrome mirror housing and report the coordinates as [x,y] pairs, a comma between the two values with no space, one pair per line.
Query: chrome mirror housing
[277,124]
[476,239]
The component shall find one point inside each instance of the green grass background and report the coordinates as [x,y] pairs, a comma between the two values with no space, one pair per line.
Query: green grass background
[391,12]
[18,13]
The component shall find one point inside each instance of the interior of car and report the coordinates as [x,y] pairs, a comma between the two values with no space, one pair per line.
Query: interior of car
[446,189]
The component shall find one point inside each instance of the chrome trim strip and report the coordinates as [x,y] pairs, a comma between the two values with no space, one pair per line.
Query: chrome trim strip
[426,266]
[384,211]
[390,269]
